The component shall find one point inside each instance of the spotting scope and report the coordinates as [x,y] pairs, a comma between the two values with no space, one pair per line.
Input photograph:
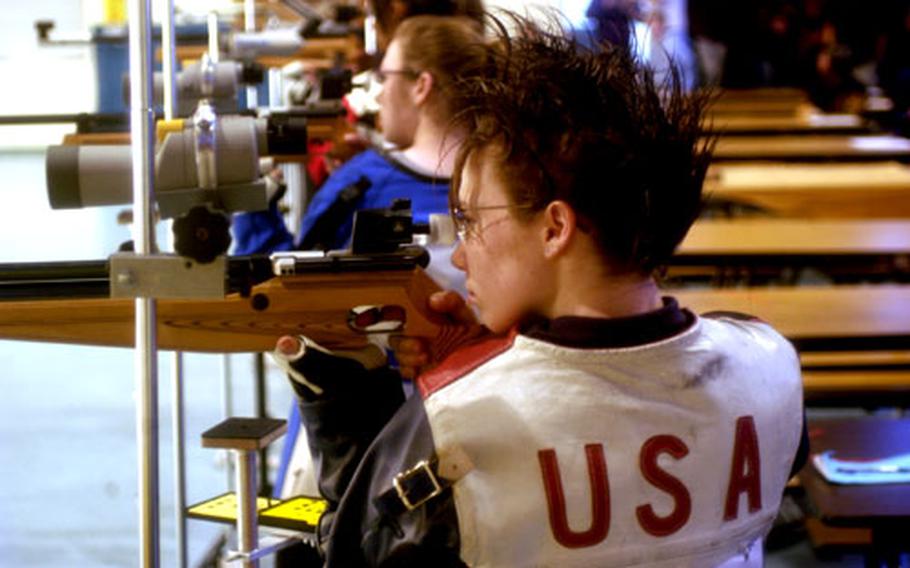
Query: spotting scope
[205,167]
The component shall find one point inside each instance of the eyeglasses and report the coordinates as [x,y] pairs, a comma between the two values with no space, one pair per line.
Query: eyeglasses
[467,227]
[382,74]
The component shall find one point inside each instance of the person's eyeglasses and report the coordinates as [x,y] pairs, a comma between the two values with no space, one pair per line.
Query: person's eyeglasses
[467,227]
[382,74]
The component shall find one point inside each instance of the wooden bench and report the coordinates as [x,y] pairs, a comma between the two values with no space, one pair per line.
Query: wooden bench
[319,49]
[868,388]
[760,102]
[873,190]
[818,318]
[775,111]
[857,378]
[805,122]
[854,340]
[751,249]
[812,148]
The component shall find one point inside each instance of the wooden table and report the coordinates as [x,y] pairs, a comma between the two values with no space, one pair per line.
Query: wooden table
[846,247]
[818,318]
[775,111]
[770,237]
[792,94]
[854,341]
[857,387]
[883,508]
[317,48]
[802,123]
[760,102]
[870,190]
[812,148]
[870,379]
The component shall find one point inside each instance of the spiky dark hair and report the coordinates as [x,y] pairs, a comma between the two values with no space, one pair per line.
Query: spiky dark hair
[589,126]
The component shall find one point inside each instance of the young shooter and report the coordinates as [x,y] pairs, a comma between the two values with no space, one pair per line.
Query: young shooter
[601,424]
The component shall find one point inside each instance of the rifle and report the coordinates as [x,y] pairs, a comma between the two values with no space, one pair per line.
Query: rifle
[320,302]
[337,298]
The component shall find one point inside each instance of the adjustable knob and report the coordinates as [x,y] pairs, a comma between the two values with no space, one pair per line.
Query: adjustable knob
[202,235]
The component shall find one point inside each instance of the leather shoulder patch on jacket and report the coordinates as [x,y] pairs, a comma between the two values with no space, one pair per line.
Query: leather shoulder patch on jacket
[463,361]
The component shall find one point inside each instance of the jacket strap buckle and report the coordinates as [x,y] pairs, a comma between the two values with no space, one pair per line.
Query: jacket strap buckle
[417,485]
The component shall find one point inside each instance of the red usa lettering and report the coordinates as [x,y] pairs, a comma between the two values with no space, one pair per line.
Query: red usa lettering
[744,477]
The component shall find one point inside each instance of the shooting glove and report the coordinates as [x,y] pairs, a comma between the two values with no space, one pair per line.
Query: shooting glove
[316,372]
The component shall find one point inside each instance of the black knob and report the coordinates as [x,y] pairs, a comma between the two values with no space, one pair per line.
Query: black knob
[202,235]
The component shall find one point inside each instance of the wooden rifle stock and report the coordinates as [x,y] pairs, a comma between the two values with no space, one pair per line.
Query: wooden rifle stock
[317,305]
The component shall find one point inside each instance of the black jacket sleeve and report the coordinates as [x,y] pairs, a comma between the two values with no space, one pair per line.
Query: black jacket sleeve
[341,421]
[362,433]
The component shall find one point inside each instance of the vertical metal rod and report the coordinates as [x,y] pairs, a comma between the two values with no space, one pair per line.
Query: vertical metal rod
[169,60]
[142,131]
[227,379]
[247,529]
[214,47]
[275,87]
[169,72]
[298,193]
[260,400]
[370,41]
[227,405]
[179,435]
[249,25]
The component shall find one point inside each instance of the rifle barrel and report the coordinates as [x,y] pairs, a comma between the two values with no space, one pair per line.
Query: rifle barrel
[91,278]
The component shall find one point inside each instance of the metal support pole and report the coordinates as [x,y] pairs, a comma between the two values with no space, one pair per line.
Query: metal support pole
[227,379]
[169,72]
[179,435]
[169,60]
[247,529]
[276,87]
[249,25]
[260,400]
[227,405]
[214,47]
[295,177]
[142,130]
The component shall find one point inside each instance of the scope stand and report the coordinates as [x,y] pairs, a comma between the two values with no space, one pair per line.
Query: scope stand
[245,437]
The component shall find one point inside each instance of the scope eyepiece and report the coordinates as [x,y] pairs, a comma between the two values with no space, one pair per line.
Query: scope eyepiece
[62,169]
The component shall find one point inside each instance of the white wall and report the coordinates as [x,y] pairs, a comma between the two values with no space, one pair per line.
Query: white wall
[42,80]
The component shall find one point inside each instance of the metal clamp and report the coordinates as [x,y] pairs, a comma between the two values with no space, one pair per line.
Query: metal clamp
[207,76]
[166,276]
[205,136]
[422,468]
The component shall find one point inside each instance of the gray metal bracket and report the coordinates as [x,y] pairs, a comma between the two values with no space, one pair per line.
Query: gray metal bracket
[166,276]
